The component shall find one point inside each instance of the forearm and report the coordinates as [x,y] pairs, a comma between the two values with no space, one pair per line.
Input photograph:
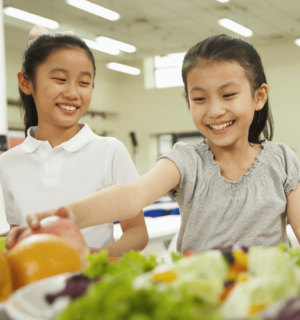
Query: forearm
[6,233]
[118,202]
[135,238]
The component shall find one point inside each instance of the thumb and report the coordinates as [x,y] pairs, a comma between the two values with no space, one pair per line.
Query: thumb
[62,212]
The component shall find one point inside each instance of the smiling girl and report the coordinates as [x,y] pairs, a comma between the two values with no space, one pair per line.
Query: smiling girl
[234,187]
[62,160]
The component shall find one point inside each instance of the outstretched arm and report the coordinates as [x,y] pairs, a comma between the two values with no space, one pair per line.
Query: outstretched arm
[118,202]
[125,201]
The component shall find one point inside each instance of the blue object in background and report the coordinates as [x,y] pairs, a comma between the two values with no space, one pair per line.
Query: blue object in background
[175,211]
[155,213]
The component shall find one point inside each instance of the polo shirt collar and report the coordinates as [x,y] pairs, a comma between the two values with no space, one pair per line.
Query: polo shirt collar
[83,137]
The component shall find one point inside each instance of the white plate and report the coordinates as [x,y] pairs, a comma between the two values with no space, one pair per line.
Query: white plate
[28,303]
[2,305]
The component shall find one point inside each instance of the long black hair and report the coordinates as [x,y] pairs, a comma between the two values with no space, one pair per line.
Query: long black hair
[226,48]
[36,54]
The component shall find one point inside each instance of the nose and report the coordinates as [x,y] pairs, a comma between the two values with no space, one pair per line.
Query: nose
[215,109]
[71,92]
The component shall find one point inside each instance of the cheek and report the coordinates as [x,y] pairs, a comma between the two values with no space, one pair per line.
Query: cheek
[197,113]
[48,92]
[87,95]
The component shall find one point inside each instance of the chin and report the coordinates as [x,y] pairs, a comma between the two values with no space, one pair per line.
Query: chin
[67,124]
[222,142]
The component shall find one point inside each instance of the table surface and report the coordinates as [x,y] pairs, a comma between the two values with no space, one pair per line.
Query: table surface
[159,229]
[162,205]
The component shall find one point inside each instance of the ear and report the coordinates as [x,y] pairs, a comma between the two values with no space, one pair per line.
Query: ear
[24,85]
[261,96]
[187,100]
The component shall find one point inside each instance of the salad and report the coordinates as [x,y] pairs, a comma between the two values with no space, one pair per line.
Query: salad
[256,284]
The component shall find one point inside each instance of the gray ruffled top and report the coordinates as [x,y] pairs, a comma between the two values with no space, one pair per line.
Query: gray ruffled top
[219,213]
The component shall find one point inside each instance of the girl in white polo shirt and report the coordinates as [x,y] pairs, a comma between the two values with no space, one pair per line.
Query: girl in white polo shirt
[61,160]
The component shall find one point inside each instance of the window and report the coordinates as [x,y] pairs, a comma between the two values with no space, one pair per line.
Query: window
[163,71]
[166,141]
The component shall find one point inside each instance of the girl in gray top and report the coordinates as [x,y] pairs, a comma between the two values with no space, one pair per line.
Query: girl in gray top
[236,186]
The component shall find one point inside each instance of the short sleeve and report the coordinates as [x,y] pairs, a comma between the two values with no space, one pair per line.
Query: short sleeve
[8,201]
[188,161]
[123,169]
[292,168]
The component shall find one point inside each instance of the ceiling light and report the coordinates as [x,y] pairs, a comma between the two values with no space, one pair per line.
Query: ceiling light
[123,68]
[223,1]
[94,9]
[297,42]
[116,44]
[30,17]
[235,27]
[100,47]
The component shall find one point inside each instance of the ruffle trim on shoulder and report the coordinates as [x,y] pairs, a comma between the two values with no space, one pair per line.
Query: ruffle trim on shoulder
[257,173]
[292,185]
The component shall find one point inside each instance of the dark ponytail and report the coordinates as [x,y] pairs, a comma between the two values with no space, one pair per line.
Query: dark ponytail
[226,48]
[36,54]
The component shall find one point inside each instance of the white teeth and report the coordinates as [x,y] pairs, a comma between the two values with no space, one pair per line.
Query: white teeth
[221,126]
[67,107]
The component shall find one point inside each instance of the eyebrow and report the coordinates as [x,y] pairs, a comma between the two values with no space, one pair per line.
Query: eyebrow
[86,73]
[228,84]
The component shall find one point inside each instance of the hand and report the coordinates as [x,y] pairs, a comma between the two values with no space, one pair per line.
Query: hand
[12,236]
[33,221]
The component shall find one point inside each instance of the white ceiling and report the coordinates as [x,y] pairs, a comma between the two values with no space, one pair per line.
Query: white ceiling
[161,26]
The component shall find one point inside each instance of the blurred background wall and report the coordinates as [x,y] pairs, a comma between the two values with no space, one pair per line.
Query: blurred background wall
[128,106]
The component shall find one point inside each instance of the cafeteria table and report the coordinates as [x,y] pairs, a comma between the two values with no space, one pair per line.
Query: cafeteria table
[159,229]
[159,209]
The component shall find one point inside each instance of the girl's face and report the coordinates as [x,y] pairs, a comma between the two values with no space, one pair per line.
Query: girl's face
[63,87]
[222,103]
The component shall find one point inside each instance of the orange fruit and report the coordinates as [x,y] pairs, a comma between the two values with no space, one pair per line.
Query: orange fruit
[6,286]
[40,256]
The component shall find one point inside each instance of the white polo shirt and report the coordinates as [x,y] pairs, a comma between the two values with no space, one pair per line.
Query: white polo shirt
[36,177]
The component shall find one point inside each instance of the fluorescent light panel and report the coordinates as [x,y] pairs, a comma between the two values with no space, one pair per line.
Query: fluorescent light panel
[235,27]
[223,1]
[297,42]
[123,68]
[100,47]
[116,44]
[30,17]
[94,9]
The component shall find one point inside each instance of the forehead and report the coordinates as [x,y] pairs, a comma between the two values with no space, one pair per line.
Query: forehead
[73,60]
[215,74]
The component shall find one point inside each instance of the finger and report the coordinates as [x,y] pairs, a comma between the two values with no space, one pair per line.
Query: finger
[12,237]
[34,219]
[62,212]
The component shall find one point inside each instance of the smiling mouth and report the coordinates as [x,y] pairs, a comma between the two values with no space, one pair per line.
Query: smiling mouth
[65,107]
[221,126]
